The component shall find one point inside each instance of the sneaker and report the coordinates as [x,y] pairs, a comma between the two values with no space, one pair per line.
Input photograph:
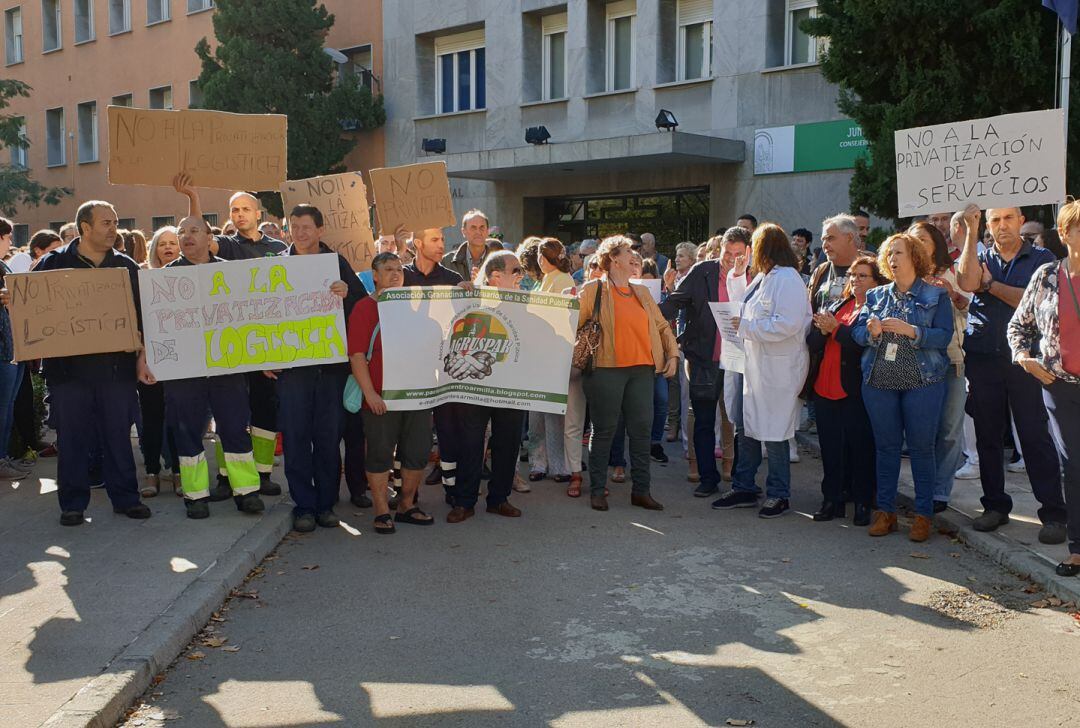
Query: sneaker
[304,523]
[967,472]
[1052,533]
[773,508]
[520,485]
[9,471]
[327,519]
[989,521]
[657,453]
[704,490]
[267,486]
[138,511]
[49,451]
[71,518]
[1017,467]
[221,491]
[735,499]
[793,452]
[197,509]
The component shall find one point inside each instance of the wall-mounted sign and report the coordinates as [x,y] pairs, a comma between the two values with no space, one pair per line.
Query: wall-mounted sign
[808,147]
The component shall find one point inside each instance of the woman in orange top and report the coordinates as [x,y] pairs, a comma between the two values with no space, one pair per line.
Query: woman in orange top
[636,344]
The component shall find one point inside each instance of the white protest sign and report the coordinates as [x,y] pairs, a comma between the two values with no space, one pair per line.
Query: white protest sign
[653,284]
[488,346]
[242,316]
[1001,161]
[732,357]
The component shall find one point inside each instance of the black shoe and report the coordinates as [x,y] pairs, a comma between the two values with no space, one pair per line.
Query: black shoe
[1053,533]
[435,476]
[72,518]
[941,506]
[197,509]
[862,515]
[773,508]
[267,486]
[304,523]
[657,453]
[523,456]
[829,511]
[96,479]
[735,499]
[138,511]
[989,521]
[360,501]
[249,503]
[1067,569]
[704,490]
[327,519]
[221,491]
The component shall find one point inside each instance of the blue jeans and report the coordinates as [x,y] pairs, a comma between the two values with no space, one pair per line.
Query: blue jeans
[659,407]
[949,446]
[748,458]
[911,416]
[10,377]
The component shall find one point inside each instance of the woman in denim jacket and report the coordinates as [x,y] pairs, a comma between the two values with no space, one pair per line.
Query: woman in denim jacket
[906,328]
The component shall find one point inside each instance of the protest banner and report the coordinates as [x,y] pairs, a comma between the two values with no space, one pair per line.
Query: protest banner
[732,356]
[72,312]
[242,316]
[487,346]
[653,284]
[342,199]
[414,195]
[1001,161]
[218,149]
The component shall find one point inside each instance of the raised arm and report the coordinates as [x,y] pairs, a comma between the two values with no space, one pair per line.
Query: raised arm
[968,269]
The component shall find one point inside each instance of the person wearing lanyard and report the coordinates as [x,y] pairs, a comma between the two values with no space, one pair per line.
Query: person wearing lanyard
[1044,336]
[998,278]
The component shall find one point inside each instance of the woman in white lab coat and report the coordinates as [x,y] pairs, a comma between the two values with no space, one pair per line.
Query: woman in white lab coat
[774,319]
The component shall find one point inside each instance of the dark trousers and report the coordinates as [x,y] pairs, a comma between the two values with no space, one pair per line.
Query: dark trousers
[355,475]
[505,444]
[847,450]
[610,392]
[152,437]
[448,418]
[24,413]
[310,416]
[1063,405]
[996,385]
[704,435]
[83,413]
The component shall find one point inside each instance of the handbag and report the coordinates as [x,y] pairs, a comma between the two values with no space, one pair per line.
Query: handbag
[588,338]
[353,397]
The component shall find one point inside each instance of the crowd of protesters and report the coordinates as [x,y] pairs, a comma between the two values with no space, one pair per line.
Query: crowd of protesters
[938,346]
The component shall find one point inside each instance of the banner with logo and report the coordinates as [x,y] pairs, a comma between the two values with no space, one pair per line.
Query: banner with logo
[816,147]
[487,346]
[242,316]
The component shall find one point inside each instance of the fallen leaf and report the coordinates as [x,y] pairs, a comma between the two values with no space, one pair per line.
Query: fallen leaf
[244,594]
[217,619]
[1039,604]
[739,721]
[196,655]
[280,573]
[395,638]
[919,555]
[215,641]
[785,561]
[1054,602]
[231,648]
[1031,589]
[310,567]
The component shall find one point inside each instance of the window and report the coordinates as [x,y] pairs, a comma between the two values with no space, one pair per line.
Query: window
[156,223]
[194,6]
[19,153]
[124,223]
[357,69]
[88,132]
[121,100]
[161,97]
[195,97]
[211,218]
[554,31]
[20,236]
[801,48]
[119,16]
[13,35]
[55,134]
[50,25]
[157,11]
[620,44]
[84,20]
[694,40]
[460,73]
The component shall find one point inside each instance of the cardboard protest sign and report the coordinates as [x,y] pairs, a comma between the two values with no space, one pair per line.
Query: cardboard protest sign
[72,312]
[242,316]
[415,195]
[218,149]
[487,346]
[1001,161]
[342,199]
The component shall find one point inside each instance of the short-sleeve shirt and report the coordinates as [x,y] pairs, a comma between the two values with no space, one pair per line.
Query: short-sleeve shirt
[237,247]
[988,315]
[439,276]
[362,321]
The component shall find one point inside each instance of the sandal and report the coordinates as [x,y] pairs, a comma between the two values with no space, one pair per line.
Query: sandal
[384,524]
[409,516]
[619,477]
[574,489]
[151,486]
[561,478]
[535,477]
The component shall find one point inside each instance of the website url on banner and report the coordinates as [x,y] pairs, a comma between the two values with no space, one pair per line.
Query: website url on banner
[442,293]
[481,394]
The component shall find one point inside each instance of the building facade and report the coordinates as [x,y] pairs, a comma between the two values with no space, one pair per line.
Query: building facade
[737,76]
[80,56]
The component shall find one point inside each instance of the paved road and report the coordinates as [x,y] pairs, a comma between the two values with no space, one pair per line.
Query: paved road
[568,617]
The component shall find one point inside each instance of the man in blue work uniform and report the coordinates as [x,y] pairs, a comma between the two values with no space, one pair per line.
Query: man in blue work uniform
[93,395]
[310,411]
[226,398]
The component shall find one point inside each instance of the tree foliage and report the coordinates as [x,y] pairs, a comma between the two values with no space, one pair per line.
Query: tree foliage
[17,186]
[269,60]
[908,63]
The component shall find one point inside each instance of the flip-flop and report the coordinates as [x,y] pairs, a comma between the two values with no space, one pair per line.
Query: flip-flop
[410,517]
[384,525]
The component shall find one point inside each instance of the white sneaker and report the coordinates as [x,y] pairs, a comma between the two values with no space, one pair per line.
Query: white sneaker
[9,471]
[1017,467]
[520,485]
[967,472]
[793,452]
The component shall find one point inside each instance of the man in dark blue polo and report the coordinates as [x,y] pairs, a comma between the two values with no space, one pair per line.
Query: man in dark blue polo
[998,278]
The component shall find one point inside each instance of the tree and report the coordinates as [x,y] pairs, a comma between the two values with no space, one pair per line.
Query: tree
[270,60]
[17,187]
[906,63]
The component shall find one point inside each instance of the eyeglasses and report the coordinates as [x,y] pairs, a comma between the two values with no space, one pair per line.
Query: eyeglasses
[859,275]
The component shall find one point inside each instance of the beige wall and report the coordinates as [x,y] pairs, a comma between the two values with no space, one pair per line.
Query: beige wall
[134,62]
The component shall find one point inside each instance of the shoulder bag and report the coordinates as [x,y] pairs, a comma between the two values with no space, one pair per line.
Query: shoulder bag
[353,397]
[588,337]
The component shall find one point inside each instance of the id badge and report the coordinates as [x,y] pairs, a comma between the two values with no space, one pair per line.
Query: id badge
[890,352]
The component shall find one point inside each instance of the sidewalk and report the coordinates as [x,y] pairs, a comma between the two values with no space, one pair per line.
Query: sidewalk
[88,615]
[1015,546]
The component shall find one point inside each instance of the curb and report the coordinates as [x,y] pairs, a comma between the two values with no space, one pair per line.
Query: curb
[999,548]
[102,702]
